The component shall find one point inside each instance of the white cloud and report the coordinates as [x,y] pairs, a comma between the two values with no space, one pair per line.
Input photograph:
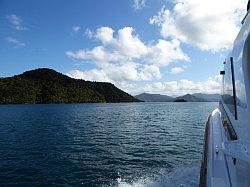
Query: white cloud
[116,73]
[16,22]
[126,47]
[122,56]
[174,88]
[91,75]
[76,28]
[165,52]
[207,24]
[123,59]
[139,4]
[15,41]
[88,33]
[150,72]
[176,70]
[105,34]
[97,54]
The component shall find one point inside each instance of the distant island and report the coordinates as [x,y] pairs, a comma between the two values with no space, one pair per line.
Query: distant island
[197,97]
[45,85]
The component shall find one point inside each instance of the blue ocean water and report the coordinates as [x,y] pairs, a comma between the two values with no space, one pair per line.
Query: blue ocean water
[129,144]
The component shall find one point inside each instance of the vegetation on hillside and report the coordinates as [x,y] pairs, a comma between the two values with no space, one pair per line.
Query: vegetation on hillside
[48,86]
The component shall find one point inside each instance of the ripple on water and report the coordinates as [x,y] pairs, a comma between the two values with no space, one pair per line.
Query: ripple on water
[129,144]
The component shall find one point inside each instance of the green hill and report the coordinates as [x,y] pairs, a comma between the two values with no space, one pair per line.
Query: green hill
[48,86]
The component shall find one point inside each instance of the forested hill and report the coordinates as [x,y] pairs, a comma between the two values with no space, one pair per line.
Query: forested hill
[48,86]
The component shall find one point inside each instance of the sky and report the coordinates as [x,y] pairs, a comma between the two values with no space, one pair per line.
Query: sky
[170,47]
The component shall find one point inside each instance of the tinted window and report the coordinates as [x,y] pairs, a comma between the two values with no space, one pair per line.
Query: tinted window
[228,88]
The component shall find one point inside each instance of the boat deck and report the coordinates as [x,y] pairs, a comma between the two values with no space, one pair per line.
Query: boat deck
[215,164]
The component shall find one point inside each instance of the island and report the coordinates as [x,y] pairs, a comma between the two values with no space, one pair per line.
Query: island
[196,97]
[180,100]
[45,85]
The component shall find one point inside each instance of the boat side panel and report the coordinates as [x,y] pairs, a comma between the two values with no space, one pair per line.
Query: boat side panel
[217,167]
[241,63]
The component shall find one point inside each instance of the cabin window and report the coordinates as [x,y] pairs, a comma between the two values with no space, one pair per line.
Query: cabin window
[228,92]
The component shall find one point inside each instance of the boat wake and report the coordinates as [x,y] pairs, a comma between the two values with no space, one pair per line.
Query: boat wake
[185,176]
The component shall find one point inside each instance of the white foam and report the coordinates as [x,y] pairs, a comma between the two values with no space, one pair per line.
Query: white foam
[186,176]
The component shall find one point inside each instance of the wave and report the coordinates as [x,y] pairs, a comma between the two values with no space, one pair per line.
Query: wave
[184,176]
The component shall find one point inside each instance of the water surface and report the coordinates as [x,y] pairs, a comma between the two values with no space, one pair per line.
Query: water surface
[138,144]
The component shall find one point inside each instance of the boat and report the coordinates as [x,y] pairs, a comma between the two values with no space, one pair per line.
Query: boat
[226,152]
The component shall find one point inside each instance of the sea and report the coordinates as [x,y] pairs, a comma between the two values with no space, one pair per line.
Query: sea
[108,144]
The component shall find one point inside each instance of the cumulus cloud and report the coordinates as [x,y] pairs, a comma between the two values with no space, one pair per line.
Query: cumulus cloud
[118,73]
[139,4]
[16,22]
[91,75]
[207,24]
[174,88]
[123,59]
[105,34]
[176,70]
[15,42]
[127,47]
[165,52]
[122,56]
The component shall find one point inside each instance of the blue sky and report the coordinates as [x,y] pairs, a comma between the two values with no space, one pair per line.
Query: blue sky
[155,46]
